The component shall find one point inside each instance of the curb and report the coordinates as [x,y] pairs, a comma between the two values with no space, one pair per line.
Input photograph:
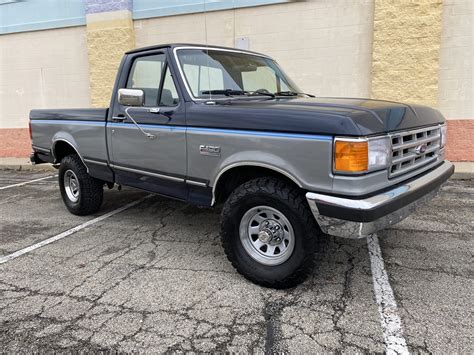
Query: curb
[463,171]
[462,176]
[27,167]
[23,164]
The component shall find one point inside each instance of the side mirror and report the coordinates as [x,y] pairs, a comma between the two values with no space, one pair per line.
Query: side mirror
[131,97]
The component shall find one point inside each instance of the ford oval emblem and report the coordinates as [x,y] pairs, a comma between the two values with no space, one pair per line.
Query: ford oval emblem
[421,149]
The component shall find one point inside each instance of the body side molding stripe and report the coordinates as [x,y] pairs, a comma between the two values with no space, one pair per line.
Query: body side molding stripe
[41,149]
[196,129]
[92,161]
[262,133]
[144,172]
[65,121]
[197,183]
[137,171]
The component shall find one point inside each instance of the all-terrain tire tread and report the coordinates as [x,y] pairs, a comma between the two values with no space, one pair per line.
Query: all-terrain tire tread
[91,189]
[295,199]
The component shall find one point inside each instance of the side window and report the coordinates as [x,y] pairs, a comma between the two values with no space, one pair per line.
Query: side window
[169,95]
[146,75]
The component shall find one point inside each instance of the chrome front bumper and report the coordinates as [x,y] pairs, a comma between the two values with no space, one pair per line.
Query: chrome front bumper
[358,218]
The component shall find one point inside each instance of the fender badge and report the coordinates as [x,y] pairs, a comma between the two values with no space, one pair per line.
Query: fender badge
[212,150]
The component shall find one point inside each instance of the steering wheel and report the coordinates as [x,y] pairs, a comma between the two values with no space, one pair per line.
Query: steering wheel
[264,91]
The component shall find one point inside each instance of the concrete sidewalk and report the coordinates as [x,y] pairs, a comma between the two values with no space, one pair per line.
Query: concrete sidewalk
[23,164]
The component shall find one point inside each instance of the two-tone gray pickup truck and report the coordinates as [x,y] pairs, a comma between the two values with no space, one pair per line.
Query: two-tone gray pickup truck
[211,125]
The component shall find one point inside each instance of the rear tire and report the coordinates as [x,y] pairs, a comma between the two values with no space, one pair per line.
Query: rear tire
[82,194]
[268,211]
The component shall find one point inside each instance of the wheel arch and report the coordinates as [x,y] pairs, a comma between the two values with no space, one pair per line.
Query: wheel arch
[235,174]
[62,147]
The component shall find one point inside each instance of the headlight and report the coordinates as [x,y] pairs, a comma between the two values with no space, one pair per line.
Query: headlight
[444,137]
[361,155]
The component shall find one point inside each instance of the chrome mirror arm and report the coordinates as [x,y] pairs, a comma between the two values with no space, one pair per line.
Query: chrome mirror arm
[147,134]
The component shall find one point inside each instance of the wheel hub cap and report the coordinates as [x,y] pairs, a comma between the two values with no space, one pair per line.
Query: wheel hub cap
[71,185]
[271,232]
[267,235]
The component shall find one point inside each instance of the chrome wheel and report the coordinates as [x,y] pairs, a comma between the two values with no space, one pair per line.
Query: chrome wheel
[71,185]
[267,235]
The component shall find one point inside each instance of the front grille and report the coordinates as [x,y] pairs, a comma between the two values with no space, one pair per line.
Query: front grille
[413,149]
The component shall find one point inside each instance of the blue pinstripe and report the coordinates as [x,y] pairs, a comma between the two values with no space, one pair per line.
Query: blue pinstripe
[193,129]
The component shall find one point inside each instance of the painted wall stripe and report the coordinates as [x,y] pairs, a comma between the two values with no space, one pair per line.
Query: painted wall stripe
[389,319]
[64,234]
[143,9]
[96,6]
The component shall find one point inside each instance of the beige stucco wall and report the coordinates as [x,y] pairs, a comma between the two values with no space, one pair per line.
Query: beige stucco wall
[456,72]
[325,46]
[406,50]
[109,35]
[42,69]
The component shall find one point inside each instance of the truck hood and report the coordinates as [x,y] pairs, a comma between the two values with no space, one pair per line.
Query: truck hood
[334,116]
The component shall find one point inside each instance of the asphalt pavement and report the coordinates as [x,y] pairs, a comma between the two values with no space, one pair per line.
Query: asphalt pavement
[153,277]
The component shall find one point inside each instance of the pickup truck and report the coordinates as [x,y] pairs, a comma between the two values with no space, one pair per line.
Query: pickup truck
[216,126]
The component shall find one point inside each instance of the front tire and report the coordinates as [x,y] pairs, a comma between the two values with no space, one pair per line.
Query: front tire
[82,194]
[269,233]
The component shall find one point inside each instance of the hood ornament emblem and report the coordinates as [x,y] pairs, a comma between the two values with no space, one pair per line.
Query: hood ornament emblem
[421,149]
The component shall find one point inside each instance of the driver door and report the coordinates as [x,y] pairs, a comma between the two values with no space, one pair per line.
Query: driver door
[151,153]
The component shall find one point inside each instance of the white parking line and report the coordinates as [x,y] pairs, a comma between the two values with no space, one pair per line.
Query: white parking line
[27,182]
[391,324]
[64,234]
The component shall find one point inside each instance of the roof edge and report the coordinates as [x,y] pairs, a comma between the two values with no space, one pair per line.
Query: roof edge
[173,45]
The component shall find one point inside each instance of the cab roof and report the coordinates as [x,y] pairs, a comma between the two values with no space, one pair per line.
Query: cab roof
[173,45]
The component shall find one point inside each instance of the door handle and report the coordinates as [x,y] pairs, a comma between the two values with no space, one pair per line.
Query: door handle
[119,118]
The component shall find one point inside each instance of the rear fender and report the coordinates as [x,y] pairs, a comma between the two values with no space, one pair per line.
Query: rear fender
[68,139]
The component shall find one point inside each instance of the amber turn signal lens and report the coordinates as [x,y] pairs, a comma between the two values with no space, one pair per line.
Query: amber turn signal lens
[351,157]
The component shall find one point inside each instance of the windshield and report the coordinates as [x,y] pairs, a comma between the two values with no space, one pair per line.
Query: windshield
[223,73]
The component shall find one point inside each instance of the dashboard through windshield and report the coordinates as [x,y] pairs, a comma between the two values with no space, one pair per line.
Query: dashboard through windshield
[218,73]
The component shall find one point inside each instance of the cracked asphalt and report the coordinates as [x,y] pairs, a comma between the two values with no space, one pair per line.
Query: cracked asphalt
[154,278]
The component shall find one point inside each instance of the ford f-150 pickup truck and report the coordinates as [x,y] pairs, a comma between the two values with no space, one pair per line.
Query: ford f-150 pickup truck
[220,126]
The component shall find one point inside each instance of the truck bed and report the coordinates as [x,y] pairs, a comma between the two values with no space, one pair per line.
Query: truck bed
[75,114]
[83,129]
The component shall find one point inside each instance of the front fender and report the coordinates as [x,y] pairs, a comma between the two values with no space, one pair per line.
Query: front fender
[255,158]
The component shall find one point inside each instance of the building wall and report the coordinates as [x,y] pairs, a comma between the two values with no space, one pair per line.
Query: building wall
[456,77]
[40,69]
[423,53]
[109,35]
[324,45]
[406,48]
[414,51]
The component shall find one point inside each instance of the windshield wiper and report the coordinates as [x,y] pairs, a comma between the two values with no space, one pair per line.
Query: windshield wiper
[226,92]
[261,93]
[291,93]
[232,92]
